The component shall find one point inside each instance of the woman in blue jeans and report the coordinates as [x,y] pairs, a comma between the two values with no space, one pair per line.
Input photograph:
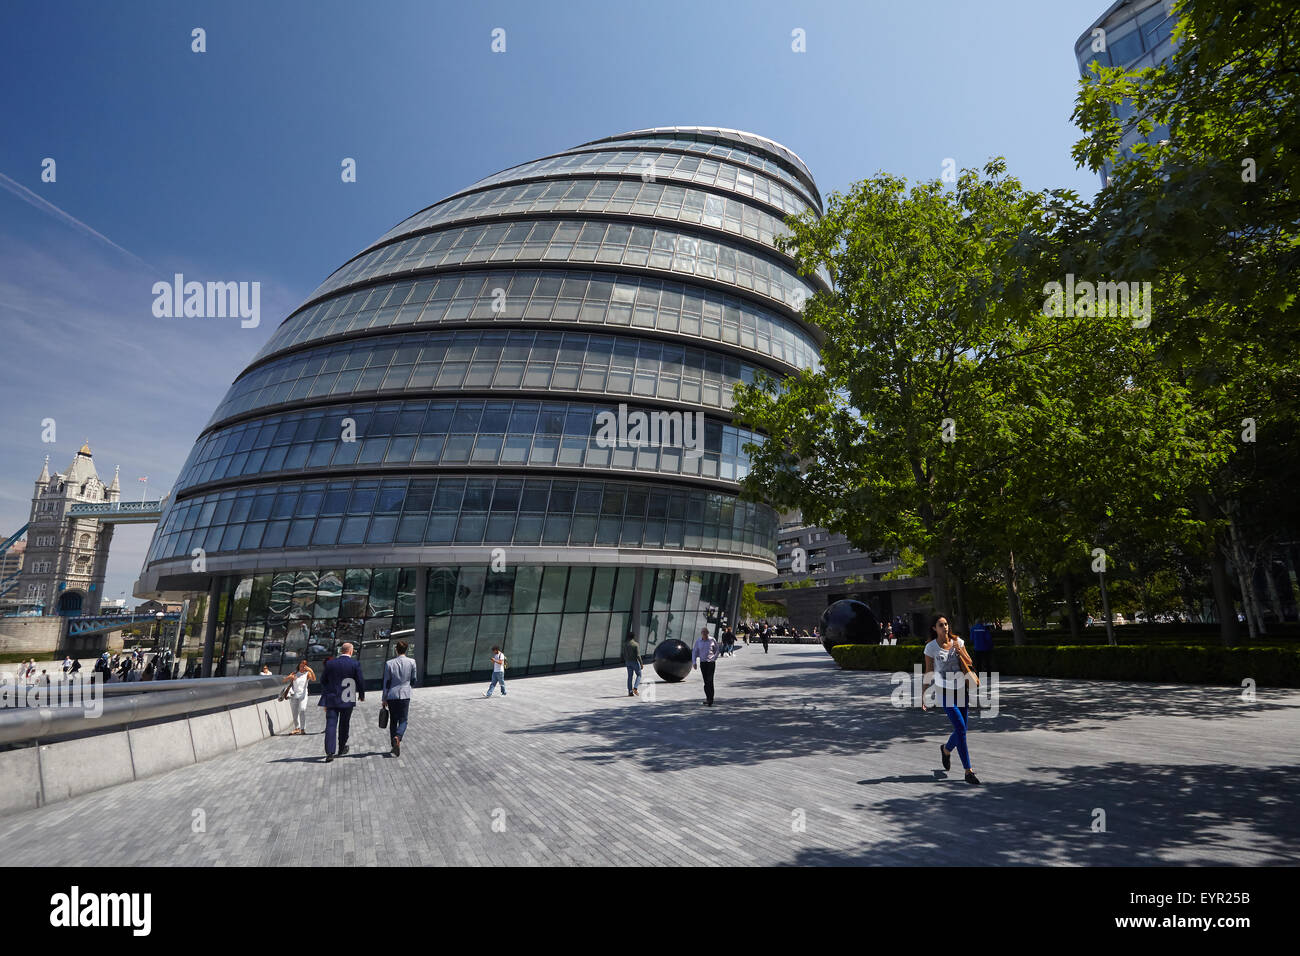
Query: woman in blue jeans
[943,656]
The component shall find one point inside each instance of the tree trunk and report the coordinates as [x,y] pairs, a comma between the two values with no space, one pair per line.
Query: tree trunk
[1105,610]
[1291,575]
[963,617]
[1218,574]
[938,585]
[1013,601]
[1246,581]
[1223,598]
[1072,608]
[1274,598]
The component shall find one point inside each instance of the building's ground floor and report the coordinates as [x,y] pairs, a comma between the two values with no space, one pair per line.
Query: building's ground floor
[545,618]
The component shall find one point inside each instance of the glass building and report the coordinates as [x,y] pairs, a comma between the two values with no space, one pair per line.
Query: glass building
[1133,34]
[424,448]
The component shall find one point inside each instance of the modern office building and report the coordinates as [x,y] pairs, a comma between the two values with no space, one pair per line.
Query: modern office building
[507,421]
[816,567]
[1133,34]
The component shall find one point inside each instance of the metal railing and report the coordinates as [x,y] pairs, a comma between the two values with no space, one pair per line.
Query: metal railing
[134,703]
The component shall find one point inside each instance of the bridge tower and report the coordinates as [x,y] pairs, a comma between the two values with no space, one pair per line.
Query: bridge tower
[66,559]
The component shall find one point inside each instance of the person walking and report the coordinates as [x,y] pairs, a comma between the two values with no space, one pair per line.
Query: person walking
[298,682]
[67,664]
[765,635]
[981,639]
[705,656]
[632,659]
[728,643]
[945,656]
[341,687]
[399,675]
[498,671]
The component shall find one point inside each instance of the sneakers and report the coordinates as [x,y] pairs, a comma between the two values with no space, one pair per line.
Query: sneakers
[945,757]
[397,746]
[636,691]
[971,778]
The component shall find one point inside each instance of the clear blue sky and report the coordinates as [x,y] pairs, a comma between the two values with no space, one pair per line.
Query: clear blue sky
[225,165]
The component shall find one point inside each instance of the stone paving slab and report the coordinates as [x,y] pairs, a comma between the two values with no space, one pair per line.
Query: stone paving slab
[799,763]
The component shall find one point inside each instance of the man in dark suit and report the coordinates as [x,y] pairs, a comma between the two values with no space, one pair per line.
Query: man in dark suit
[341,686]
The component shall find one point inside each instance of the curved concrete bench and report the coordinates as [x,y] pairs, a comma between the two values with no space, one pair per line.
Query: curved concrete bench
[143,729]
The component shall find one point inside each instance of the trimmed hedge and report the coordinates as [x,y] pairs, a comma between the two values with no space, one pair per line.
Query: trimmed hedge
[1267,666]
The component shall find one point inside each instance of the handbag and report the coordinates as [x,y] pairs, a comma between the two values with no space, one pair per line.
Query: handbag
[967,667]
[383,717]
[284,694]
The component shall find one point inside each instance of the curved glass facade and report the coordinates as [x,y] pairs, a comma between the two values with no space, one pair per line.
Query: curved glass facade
[507,421]
[556,298]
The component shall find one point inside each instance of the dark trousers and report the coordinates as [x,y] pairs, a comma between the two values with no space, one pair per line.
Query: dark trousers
[398,709]
[983,662]
[706,669]
[765,645]
[338,721]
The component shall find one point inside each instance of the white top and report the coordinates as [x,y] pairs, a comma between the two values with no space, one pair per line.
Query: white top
[948,675]
[498,663]
[299,686]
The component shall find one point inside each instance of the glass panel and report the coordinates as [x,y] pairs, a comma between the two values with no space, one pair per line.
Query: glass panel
[546,638]
[460,644]
[552,593]
[572,630]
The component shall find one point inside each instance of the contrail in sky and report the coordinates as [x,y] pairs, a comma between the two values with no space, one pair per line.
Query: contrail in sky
[25,194]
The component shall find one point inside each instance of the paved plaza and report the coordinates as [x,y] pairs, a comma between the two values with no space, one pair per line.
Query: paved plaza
[799,763]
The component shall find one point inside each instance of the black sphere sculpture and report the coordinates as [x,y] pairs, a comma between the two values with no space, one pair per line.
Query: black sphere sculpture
[849,622]
[672,660]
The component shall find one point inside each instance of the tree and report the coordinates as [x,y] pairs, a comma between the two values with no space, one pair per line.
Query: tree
[752,608]
[955,415]
[1209,215]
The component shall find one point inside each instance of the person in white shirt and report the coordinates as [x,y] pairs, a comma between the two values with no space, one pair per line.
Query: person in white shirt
[945,656]
[705,656]
[498,672]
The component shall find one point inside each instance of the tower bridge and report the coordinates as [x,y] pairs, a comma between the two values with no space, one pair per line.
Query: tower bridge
[68,535]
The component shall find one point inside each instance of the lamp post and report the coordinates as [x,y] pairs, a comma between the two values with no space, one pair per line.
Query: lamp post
[157,637]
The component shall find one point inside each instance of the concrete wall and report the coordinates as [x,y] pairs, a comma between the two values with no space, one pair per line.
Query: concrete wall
[39,636]
[34,776]
[33,635]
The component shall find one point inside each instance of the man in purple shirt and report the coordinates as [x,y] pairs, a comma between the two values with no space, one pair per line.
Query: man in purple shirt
[705,657]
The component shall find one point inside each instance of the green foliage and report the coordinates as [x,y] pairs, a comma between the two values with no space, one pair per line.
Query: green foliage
[1171,445]
[1210,214]
[752,608]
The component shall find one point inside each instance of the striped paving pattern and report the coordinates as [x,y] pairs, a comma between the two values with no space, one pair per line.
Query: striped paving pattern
[799,763]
